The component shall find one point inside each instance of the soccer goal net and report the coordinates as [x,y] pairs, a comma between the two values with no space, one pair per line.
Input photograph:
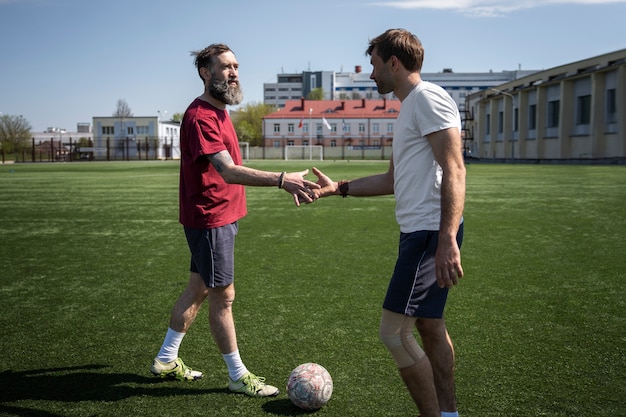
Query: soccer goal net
[304,152]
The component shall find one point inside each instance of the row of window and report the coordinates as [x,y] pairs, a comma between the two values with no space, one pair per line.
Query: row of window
[291,128]
[582,113]
[141,130]
[332,143]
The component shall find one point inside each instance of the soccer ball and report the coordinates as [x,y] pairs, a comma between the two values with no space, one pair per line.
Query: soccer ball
[310,386]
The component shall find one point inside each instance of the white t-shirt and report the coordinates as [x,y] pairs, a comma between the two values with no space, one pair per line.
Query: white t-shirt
[417,176]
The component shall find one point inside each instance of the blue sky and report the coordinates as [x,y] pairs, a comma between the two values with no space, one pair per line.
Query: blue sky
[64,61]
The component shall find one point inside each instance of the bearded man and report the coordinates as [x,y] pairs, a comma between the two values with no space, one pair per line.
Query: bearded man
[212,199]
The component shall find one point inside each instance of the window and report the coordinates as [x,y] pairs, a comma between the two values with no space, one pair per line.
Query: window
[108,130]
[276,127]
[375,128]
[389,127]
[516,119]
[500,122]
[487,124]
[333,127]
[318,128]
[361,127]
[277,144]
[130,130]
[553,113]
[142,130]
[290,128]
[611,106]
[583,110]
[532,117]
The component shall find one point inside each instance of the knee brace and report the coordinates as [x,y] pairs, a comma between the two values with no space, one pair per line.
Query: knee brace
[396,333]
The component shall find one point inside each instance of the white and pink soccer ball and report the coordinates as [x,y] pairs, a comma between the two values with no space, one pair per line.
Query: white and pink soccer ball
[310,386]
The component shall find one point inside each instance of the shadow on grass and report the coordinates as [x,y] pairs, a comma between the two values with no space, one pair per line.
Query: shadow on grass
[284,407]
[80,383]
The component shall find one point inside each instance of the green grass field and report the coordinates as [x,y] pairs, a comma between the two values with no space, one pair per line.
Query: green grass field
[92,258]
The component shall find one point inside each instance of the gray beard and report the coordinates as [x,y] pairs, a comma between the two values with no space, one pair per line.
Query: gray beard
[221,91]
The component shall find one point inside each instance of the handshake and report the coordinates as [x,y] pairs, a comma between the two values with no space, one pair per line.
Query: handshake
[305,191]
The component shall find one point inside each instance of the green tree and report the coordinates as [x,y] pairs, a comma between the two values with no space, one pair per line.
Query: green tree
[248,122]
[316,94]
[14,133]
[177,117]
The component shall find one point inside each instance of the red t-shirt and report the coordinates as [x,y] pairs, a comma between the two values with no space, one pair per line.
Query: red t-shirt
[205,199]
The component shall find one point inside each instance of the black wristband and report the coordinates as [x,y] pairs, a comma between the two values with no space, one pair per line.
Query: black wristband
[343,188]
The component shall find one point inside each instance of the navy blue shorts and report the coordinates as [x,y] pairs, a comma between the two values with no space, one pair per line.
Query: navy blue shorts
[213,254]
[413,289]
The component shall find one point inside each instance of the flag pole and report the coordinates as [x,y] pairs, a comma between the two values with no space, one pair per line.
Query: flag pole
[310,135]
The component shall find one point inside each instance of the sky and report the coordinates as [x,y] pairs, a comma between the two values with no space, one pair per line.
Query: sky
[63,62]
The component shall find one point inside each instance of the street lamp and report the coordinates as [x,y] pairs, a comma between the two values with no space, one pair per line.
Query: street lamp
[512,97]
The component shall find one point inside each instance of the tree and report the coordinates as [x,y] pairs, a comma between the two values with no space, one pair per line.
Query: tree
[248,122]
[177,117]
[14,133]
[316,94]
[123,110]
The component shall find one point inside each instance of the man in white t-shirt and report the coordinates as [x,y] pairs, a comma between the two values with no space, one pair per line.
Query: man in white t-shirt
[427,176]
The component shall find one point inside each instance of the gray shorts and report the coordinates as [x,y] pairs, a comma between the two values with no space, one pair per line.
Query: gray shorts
[213,254]
[413,289]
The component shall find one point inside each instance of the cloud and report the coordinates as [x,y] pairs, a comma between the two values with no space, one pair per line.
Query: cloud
[485,8]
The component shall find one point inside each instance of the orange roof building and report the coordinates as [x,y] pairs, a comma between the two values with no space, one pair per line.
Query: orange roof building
[365,123]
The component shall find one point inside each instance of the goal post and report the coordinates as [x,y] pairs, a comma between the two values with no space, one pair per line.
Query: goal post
[244,148]
[303,152]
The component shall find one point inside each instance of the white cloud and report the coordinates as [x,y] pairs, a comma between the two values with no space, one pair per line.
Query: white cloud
[484,7]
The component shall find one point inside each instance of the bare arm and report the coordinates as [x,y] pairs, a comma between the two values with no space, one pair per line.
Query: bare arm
[379,184]
[292,182]
[446,145]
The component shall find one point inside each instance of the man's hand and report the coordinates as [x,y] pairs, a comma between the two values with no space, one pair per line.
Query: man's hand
[326,186]
[302,190]
[448,263]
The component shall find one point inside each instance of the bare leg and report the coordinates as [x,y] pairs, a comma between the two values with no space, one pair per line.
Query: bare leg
[396,332]
[221,319]
[418,379]
[440,351]
[188,304]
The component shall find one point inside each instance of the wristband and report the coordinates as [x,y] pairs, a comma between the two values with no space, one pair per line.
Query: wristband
[281,180]
[343,188]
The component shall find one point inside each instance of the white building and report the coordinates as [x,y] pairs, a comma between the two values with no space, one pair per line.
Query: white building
[127,138]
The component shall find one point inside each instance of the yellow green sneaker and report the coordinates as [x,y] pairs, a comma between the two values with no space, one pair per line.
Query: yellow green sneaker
[252,385]
[175,369]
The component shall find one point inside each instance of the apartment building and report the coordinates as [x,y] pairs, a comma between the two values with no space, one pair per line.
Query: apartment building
[576,111]
[358,85]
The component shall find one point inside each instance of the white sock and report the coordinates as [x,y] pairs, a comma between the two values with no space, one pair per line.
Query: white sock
[236,368]
[169,349]
[449,414]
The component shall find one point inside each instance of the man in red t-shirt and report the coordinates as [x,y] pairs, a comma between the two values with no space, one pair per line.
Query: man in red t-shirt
[212,199]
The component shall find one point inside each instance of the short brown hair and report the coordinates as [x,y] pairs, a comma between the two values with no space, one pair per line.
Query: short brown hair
[399,43]
[206,57]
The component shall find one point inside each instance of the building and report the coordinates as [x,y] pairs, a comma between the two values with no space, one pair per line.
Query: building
[127,138]
[359,124]
[575,111]
[358,85]
[58,144]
